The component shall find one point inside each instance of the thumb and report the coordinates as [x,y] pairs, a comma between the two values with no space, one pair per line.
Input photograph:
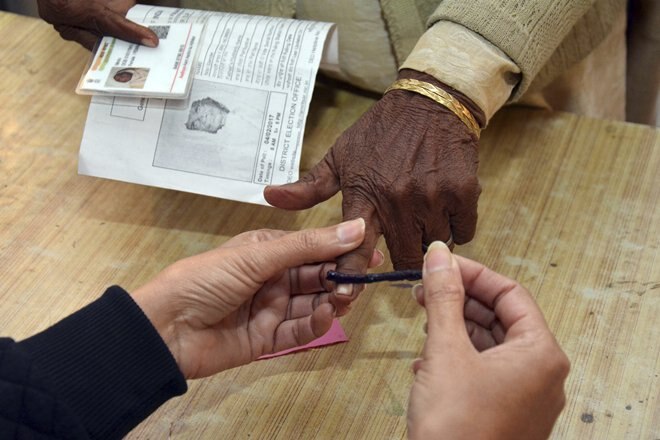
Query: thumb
[318,185]
[116,25]
[444,298]
[307,246]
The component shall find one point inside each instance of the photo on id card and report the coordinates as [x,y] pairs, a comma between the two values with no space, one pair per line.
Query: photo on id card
[121,68]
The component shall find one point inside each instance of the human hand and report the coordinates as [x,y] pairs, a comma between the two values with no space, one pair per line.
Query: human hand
[408,166]
[490,367]
[85,21]
[260,292]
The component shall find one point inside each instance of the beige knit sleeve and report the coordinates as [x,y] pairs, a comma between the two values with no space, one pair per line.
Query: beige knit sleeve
[467,62]
[527,32]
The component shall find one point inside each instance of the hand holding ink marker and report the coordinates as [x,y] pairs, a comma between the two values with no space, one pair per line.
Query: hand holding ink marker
[369,278]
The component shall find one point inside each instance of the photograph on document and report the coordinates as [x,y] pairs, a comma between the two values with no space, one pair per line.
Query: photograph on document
[127,77]
[215,132]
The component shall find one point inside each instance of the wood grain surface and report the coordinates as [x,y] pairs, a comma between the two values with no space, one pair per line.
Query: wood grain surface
[570,208]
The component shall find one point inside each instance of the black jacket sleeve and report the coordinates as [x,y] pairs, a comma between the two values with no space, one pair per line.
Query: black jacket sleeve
[95,374]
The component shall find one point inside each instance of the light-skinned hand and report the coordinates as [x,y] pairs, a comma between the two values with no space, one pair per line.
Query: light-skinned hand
[259,293]
[490,367]
[85,21]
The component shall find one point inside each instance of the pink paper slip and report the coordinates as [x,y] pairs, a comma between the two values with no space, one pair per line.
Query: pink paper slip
[333,336]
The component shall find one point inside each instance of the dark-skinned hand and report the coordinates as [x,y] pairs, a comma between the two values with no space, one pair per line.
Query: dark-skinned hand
[408,166]
[85,21]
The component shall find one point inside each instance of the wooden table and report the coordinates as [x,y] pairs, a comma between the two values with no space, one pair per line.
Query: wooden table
[570,208]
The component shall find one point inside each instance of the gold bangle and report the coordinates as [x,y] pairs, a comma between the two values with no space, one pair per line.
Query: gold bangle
[441,97]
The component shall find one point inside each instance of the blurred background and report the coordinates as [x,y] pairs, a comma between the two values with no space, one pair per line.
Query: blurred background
[642,46]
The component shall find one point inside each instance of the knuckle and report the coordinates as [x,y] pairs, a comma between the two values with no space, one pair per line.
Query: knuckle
[478,189]
[66,32]
[465,188]
[310,239]
[561,401]
[60,6]
[355,203]
[311,177]
[449,291]
[259,235]
[555,363]
[562,365]
[400,187]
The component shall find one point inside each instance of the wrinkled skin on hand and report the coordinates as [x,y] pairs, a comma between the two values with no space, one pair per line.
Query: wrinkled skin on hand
[408,166]
[85,21]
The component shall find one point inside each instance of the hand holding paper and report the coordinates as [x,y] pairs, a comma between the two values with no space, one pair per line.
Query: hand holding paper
[85,21]
[242,124]
[121,68]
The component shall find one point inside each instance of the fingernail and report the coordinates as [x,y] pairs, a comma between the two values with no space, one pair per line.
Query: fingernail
[438,257]
[344,289]
[350,231]
[148,42]
[417,292]
[381,257]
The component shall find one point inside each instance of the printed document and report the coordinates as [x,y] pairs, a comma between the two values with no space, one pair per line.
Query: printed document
[241,126]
